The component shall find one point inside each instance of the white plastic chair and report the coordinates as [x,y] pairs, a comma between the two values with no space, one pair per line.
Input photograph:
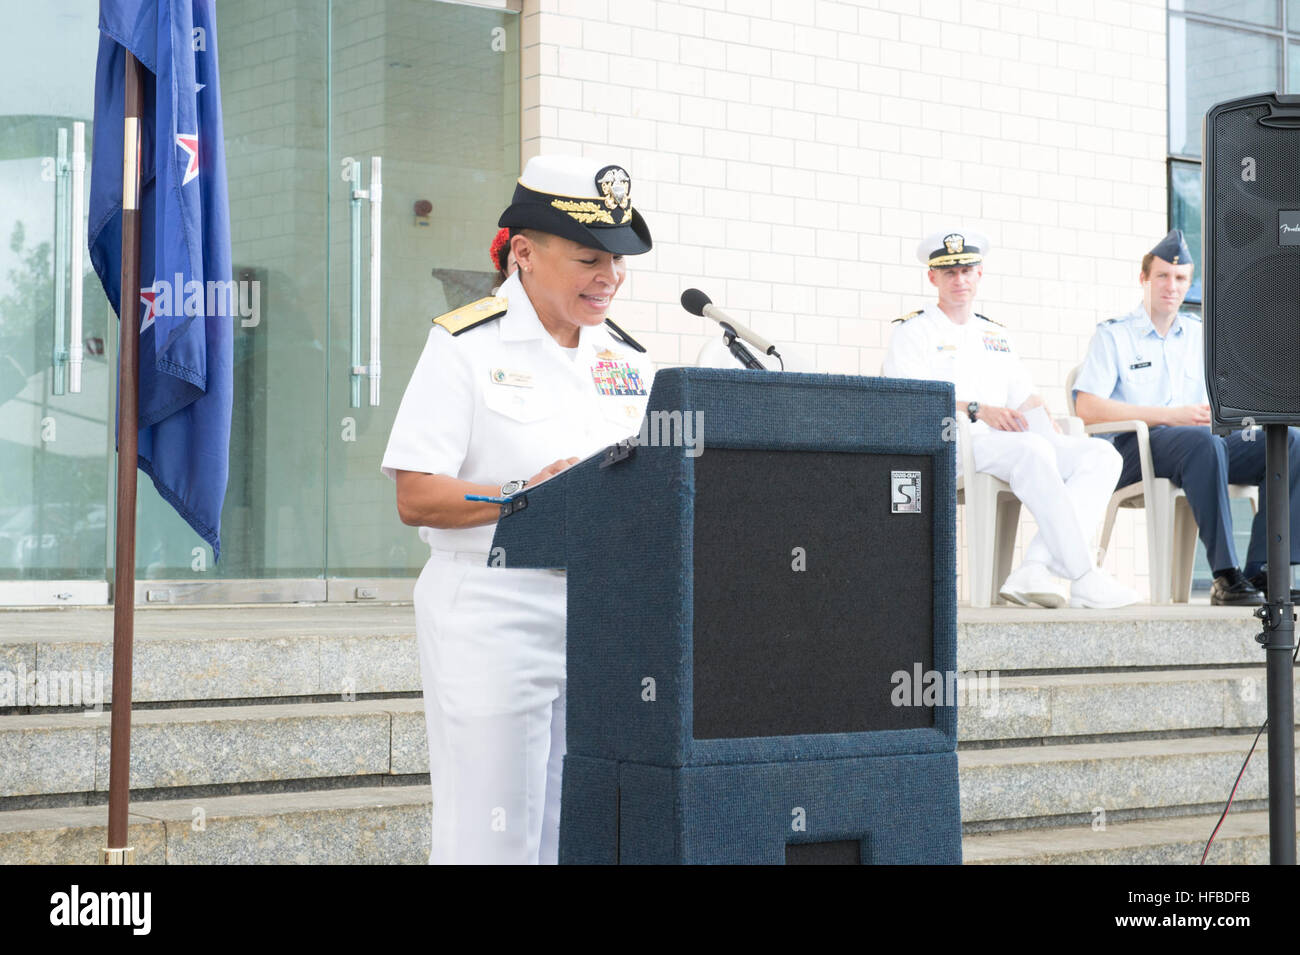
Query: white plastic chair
[992,517]
[1171,528]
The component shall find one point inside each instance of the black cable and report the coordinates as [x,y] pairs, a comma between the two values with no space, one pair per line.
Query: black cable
[1209,842]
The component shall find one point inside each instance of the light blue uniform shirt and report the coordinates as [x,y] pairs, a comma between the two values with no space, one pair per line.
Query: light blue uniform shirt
[1128,361]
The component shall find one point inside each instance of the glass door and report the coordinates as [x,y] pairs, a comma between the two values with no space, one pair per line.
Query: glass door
[274,90]
[338,281]
[54,373]
[425,139]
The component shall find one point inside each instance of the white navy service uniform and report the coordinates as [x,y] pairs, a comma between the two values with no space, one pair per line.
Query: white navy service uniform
[498,401]
[1065,482]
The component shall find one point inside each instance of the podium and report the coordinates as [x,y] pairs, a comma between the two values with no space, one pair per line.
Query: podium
[759,584]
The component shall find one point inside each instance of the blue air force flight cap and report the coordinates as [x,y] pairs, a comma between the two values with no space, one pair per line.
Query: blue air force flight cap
[1173,249]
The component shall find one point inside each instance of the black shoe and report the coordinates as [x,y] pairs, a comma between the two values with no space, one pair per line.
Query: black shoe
[1260,583]
[1232,589]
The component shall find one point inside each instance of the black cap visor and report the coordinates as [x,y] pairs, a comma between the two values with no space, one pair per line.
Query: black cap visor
[535,210]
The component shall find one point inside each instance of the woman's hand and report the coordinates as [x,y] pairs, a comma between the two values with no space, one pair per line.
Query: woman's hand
[551,470]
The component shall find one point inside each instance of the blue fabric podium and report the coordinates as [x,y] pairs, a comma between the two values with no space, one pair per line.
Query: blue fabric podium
[741,616]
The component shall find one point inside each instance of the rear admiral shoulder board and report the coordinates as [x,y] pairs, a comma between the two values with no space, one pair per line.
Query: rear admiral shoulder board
[474,314]
[909,315]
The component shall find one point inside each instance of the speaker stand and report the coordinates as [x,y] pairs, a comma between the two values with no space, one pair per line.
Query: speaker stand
[1278,639]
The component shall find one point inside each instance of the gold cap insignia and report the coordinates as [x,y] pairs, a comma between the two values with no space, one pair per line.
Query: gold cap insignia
[615,186]
[954,243]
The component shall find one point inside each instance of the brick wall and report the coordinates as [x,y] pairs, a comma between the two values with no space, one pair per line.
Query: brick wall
[789,155]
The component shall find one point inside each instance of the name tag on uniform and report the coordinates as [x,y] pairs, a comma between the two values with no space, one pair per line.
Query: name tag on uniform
[945,347]
[1140,364]
[516,379]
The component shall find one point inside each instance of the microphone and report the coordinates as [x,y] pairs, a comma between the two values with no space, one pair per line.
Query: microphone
[697,303]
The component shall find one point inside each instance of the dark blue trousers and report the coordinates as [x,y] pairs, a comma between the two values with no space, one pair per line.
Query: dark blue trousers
[1203,464]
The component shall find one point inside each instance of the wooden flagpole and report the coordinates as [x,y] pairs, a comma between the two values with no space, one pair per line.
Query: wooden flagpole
[128,403]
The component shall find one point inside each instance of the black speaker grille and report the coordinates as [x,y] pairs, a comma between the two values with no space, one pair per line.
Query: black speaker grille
[780,651]
[1253,298]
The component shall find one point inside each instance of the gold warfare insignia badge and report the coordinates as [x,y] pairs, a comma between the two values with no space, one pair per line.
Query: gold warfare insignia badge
[607,355]
[615,187]
[955,243]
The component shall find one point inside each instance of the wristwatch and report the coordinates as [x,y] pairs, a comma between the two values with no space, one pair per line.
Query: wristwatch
[973,410]
[512,487]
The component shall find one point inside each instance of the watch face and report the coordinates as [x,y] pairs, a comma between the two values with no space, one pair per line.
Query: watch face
[511,487]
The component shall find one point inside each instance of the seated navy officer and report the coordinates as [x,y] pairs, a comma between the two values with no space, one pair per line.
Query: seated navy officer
[1065,482]
[1149,365]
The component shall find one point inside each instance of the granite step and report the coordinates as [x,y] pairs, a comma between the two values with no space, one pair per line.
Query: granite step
[1049,706]
[205,746]
[1243,840]
[1154,776]
[190,654]
[370,825]
[226,653]
[1144,636]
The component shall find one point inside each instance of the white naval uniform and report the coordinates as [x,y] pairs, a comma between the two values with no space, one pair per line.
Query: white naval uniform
[1065,482]
[497,402]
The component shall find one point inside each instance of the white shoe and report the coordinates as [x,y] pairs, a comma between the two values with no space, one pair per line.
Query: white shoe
[1100,591]
[1031,584]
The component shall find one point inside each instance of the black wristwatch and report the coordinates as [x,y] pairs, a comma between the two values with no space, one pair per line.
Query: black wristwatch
[512,487]
[973,410]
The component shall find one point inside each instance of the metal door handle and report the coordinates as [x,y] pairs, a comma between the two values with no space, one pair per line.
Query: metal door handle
[77,242]
[375,196]
[69,251]
[62,169]
[376,242]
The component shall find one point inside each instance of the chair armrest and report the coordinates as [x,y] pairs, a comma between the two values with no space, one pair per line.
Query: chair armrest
[1143,433]
[965,453]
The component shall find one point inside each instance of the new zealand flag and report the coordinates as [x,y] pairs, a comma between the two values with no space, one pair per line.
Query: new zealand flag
[187,300]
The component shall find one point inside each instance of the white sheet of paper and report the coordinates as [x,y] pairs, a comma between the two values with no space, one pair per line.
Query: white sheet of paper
[1039,422]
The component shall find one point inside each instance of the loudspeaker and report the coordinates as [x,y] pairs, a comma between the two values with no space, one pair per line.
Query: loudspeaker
[1251,227]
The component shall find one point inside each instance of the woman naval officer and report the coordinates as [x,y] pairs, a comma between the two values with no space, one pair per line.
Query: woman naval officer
[517,386]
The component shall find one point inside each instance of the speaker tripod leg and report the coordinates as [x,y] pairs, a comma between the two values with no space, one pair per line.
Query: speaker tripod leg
[1278,638]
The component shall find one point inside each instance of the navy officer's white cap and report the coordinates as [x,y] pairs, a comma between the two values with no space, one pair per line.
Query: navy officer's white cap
[949,248]
[586,200]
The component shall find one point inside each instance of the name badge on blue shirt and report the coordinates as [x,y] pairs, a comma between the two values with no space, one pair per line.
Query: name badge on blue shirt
[1141,364]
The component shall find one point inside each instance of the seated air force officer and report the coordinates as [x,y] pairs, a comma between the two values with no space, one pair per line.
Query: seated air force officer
[1064,482]
[1150,365]
[517,386]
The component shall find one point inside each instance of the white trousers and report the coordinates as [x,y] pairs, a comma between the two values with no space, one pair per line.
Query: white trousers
[1065,482]
[491,644]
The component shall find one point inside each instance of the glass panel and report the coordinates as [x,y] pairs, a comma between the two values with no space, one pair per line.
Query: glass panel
[53,466]
[1293,15]
[1261,12]
[1293,61]
[1210,64]
[273,76]
[1185,214]
[432,89]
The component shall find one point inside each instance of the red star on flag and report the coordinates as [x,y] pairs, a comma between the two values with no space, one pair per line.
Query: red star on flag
[147,296]
[191,146]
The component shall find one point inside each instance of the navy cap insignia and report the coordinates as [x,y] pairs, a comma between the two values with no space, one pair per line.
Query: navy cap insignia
[954,243]
[616,186]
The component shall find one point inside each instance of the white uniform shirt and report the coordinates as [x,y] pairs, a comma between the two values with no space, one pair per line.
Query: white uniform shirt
[1128,361]
[977,357]
[503,400]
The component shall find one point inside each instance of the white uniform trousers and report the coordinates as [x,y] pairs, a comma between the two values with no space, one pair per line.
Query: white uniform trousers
[491,644]
[1065,482]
